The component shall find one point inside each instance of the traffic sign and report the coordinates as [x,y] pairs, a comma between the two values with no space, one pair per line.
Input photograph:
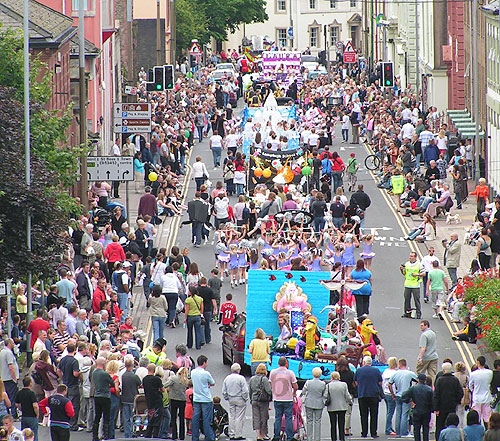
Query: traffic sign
[195,49]
[349,53]
[110,168]
[362,64]
[290,32]
[130,118]
[340,45]
[130,90]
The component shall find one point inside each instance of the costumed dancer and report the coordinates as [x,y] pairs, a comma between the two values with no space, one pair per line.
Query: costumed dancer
[367,254]
[348,257]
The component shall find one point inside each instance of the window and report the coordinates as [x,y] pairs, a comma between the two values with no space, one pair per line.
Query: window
[313,36]
[354,3]
[333,4]
[312,4]
[334,35]
[281,5]
[76,5]
[281,35]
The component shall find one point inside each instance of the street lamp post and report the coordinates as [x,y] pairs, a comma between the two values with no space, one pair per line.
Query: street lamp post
[158,34]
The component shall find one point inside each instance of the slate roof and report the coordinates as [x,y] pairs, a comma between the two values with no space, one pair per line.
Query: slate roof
[47,26]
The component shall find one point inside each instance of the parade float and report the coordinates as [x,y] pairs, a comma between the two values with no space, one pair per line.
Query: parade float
[293,309]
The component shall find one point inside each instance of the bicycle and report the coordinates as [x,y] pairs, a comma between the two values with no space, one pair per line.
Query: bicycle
[372,162]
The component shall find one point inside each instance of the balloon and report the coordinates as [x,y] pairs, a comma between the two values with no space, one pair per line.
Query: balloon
[257,172]
[310,161]
[306,171]
[288,174]
[153,176]
[266,173]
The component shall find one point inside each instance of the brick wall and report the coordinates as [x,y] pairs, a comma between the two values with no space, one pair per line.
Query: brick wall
[456,68]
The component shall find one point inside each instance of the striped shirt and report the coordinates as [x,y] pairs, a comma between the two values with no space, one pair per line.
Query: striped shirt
[60,339]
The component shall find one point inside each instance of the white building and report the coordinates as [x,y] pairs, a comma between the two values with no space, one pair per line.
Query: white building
[309,17]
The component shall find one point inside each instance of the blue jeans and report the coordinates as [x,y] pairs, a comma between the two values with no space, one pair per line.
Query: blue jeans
[165,424]
[200,132]
[172,298]
[206,411]
[226,99]
[127,412]
[197,227]
[283,408]
[337,180]
[208,332]
[115,404]
[183,161]
[156,158]
[319,223]
[390,408]
[194,321]
[338,222]
[345,135]
[415,233]
[402,417]
[240,189]
[199,182]
[31,423]
[216,153]
[123,305]
[158,327]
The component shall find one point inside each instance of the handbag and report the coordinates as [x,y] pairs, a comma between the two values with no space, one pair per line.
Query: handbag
[261,394]
[203,320]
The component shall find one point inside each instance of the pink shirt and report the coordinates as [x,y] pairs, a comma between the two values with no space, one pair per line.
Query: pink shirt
[282,380]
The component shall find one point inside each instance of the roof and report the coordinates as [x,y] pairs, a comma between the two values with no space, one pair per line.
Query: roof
[48,28]
[91,50]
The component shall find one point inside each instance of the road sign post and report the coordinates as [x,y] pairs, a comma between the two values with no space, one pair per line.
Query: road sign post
[132,118]
[110,168]
[349,53]
[290,32]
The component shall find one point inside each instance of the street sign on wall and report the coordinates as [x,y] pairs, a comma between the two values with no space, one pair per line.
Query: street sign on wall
[132,118]
[349,53]
[110,168]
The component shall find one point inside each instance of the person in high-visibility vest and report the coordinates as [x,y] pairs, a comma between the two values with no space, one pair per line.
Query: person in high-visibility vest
[412,272]
[397,186]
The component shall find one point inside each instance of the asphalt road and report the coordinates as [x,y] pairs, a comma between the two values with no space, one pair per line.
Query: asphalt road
[399,336]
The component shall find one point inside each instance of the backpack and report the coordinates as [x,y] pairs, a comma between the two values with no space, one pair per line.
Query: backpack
[264,211]
[327,166]
[37,378]
[245,214]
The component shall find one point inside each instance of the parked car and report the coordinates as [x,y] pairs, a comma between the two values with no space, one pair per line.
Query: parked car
[233,341]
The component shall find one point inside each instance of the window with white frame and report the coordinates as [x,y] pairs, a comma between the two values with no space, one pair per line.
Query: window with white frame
[313,36]
[281,5]
[312,4]
[333,4]
[281,37]
[334,35]
[76,5]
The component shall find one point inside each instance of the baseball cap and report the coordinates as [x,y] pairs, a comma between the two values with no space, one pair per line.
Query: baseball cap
[126,264]
[353,155]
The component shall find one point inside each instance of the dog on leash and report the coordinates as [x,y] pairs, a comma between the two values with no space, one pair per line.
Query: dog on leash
[453,218]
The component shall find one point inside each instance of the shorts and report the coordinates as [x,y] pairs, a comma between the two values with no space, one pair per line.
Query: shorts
[483,409]
[438,298]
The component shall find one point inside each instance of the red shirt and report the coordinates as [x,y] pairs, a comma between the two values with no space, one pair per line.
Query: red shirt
[35,326]
[124,326]
[228,311]
[97,298]
[114,252]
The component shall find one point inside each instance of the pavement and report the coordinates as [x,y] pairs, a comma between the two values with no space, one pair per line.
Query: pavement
[399,336]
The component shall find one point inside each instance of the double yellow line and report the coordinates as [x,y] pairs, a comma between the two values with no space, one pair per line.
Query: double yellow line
[462,346]
[174,230]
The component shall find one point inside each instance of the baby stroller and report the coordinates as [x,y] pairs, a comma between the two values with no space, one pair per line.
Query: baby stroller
[298,421]
[220,424]
[140,416]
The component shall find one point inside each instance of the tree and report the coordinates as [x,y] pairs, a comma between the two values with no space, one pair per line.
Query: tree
[17,200]
[202,19]
[48,128]
[191,23]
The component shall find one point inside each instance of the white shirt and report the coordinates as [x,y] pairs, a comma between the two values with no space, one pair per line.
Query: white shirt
[116,150]
[426,263]
[248,126]
[232,140]
[313,139]
[170,283]
[199,169]
[305,136]
[406,113]
[407,131]
[221,206]
[216,141]
[386,376]
[479,384]
[345,122]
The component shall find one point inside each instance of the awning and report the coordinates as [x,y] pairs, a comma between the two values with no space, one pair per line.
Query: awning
[464,123]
